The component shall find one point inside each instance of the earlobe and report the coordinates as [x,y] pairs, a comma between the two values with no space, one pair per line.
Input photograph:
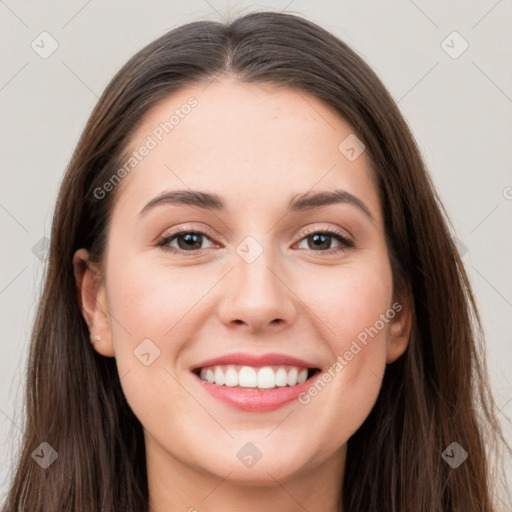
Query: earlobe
[399,329]
[93,303]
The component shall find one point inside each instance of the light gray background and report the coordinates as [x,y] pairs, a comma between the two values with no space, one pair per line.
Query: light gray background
[460,110]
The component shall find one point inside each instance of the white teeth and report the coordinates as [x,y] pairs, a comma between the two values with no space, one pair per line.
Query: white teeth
[231,377]
[219,376]
[266,377]
[292,376]
[303,375]
[248,377]
[281,377]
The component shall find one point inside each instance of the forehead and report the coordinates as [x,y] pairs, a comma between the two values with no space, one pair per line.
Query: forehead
[244,141]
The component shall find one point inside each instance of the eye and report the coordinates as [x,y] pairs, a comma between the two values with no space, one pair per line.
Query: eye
[322,239]
[187,240]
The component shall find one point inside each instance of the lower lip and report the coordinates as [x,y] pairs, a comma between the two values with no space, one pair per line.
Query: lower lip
[255,400]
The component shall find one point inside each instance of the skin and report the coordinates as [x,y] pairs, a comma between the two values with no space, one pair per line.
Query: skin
[255,145]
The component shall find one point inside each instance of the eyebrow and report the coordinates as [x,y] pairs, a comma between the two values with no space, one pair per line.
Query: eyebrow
[298,202]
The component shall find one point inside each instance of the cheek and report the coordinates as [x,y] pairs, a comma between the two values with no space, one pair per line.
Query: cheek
[355,308]
[153,301]
[152,309]
[349,300]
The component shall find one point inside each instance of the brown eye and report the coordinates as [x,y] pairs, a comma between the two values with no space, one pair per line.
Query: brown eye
[321,241]
[187,241]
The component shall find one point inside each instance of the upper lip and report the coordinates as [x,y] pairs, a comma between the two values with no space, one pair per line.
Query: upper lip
[255,360]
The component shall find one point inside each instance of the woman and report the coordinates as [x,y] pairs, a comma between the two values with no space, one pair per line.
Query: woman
[320,352]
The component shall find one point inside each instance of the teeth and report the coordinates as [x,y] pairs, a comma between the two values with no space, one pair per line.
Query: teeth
[281,377]
[247,377]
[266,377]
[219,376]
[231,377]
[292,376]
[303,375]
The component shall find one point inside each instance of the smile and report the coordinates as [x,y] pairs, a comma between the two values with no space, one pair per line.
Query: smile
[251,377]
[255,383]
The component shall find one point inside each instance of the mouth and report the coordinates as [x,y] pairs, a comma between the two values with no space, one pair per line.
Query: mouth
[255,383]
[255,377]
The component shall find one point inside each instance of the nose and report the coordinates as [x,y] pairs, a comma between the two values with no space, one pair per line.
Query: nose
[257,296]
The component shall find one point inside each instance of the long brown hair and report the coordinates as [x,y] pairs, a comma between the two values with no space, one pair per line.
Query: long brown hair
[437,393]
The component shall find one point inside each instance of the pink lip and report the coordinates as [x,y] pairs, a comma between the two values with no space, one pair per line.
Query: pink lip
[254,360]
[255,400]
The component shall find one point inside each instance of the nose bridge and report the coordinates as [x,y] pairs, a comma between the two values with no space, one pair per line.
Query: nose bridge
[257,294]
[253,263]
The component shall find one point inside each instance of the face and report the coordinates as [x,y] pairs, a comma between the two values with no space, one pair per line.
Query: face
[280,294]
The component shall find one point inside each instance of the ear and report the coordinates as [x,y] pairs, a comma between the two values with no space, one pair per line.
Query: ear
[399,328]
[93,301]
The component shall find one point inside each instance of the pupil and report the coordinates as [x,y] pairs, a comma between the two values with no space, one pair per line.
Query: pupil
[324,237]
[190,239]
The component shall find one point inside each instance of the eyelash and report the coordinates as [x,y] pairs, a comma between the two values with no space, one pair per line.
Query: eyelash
[345,242]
